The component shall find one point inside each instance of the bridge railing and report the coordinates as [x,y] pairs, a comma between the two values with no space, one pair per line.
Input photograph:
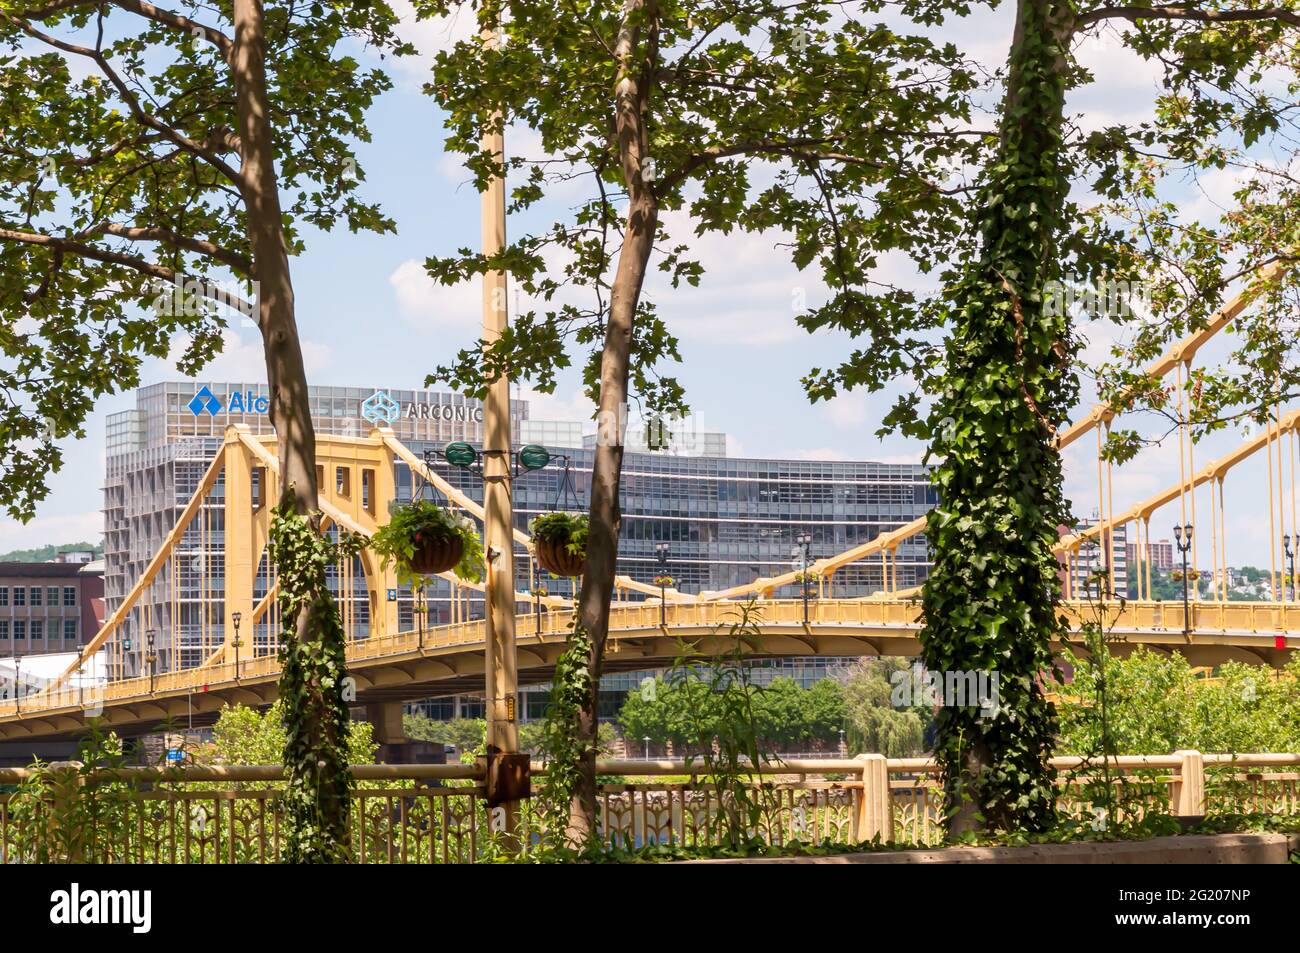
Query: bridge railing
[437,813]
[688,619]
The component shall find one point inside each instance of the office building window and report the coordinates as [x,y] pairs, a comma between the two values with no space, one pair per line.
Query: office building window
[69,595]
[36,597]
[20,630]
[4,595]
[20,596]
[4,630]
[52,596]
[38,629]
[69,629]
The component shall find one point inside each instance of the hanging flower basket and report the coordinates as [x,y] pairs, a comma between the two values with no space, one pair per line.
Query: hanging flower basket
[556,559]
[424,539]
[560,542]
[434,555]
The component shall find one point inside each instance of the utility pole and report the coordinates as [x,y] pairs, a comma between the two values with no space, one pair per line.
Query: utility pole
[498,521]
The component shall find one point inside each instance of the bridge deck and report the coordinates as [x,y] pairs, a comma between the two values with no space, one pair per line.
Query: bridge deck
[449,659]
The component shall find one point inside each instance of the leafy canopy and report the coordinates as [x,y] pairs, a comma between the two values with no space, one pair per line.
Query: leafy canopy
[834,133]
[120,175]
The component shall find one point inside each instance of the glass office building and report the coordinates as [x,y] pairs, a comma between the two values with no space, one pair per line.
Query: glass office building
[726,521]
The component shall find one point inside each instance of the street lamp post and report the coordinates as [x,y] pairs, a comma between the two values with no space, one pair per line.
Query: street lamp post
[661,553]
[18,694]
[646,739]
[539,592]
[420,613]
[1290,563]
[151,657]
[1183,540]
[237,617]
[804,540]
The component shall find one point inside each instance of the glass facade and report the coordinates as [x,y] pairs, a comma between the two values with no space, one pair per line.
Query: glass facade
[727,521]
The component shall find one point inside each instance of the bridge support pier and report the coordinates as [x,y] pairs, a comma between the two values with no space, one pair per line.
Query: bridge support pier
[394,746]
[386,717]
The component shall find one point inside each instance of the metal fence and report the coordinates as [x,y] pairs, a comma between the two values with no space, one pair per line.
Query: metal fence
[405,814]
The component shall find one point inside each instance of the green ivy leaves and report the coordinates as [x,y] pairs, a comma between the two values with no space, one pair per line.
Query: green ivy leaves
[318,793]
[990,600]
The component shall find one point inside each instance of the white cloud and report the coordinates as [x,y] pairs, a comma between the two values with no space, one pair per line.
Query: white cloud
[429,37]
[44,530]
[576,406]
[429,306]
[848,411]
[1214,191]
[244,360]
[749,295]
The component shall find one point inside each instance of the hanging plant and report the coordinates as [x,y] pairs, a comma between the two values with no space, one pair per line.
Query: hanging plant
[560,541]
[425,539]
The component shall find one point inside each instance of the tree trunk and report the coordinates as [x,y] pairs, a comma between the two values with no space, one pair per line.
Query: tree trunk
[286,376]
[317,729]
[990,601]
[632,92]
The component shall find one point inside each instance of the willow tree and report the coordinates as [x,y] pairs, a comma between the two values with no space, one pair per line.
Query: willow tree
[157,167]
[835,134]
[1007,378]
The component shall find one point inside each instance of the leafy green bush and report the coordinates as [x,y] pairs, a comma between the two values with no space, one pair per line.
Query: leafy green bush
[244,735]
[1158,704]
[562,529]
[395,541]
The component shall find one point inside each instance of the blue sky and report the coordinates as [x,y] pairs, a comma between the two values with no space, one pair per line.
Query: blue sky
[368,316]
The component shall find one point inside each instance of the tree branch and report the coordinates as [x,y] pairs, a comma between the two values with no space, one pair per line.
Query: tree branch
[137,111]
[82,250]
[1136,14]
[792,148]
[149,12]
[157,233]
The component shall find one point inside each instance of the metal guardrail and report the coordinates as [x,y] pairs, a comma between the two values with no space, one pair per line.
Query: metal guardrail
[437,813]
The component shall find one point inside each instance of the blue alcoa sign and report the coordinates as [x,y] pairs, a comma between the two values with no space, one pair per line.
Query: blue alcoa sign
[248,403]
[240,402]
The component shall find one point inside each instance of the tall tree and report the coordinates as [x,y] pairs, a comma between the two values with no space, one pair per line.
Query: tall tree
[144,146]
[1006,378]
[728,116]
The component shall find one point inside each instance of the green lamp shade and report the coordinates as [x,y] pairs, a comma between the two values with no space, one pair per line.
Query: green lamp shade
[533,457]
[460,454]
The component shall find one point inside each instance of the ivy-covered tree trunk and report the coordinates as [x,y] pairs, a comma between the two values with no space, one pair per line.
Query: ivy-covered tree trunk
[632,91]
[991,600]
[311,649]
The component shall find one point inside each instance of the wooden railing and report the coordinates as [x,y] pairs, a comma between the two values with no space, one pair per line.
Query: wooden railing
[436,813]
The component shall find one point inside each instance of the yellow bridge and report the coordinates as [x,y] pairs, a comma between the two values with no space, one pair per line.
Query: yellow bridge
[446,659]
[209,663]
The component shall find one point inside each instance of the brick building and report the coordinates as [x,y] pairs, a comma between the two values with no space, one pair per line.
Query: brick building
[49,607]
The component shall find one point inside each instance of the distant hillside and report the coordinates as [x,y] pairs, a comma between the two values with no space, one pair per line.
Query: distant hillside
[46,553]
